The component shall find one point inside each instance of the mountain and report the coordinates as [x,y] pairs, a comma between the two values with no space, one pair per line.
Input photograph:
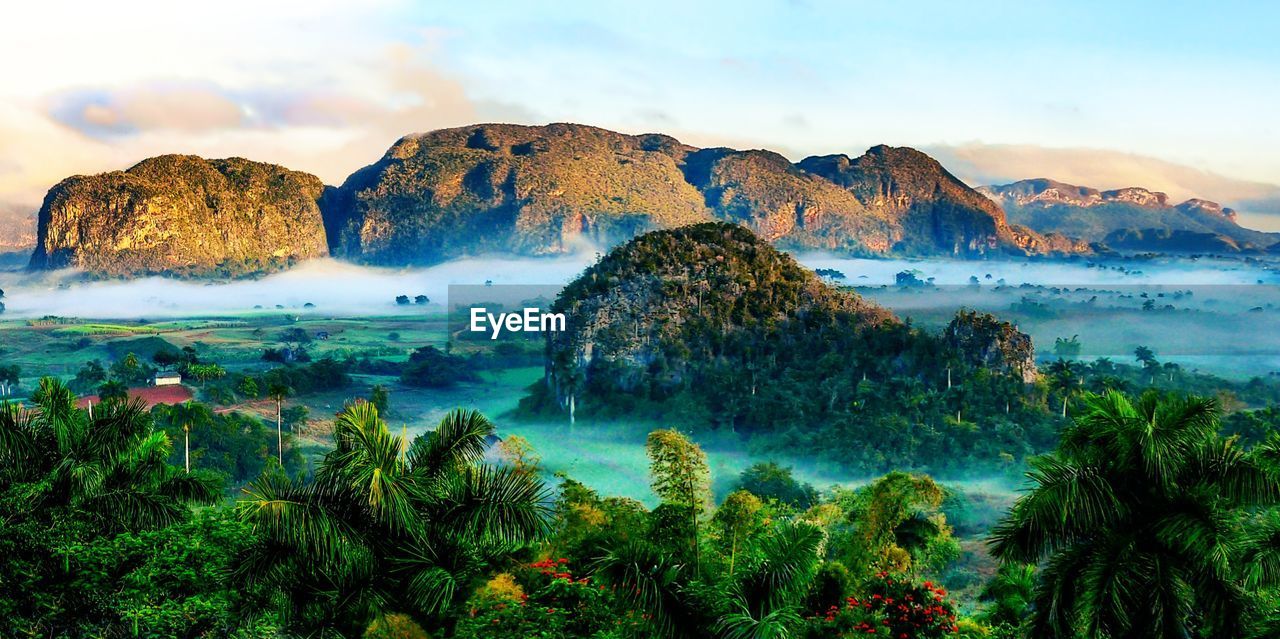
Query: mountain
[524,190]
[507,188]
[548,189]
[933,210]
[17,229]
[182,215]
[1131,218]
[709,325]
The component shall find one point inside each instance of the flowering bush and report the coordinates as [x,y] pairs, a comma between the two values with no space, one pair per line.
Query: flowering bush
[894,607]
[549,603]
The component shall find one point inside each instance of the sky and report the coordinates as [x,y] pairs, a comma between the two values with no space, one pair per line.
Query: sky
[1174,96]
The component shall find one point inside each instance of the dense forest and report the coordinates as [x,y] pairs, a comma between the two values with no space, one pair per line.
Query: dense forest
[1144,520]
[711,327]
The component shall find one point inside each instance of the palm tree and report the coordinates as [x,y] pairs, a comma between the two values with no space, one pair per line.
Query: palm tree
[763,597]
[188,415]
[1063,379]
[1010,593]
[278,393]
[1141,513]
[109,469]
[376,532]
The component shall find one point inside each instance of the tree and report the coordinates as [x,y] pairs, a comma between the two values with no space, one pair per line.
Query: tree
[737,517]
[680,477]
[430,367]
[1010,594]
[294,338]
[1064,380]
[206,372]
[771,481]
[248,387]
[899,527]
[421,299]
[379,397]
[1067,348]
[1147,358]
[518,453]
[402,300]
[9,377]
[1142,508]
[52,450]
[278,392]
[113,390]
[189,415]
[295,416]
[89,377]
[381,530]
[69,481]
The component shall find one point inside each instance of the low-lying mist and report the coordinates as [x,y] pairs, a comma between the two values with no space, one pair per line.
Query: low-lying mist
[1211,314]
[334,288]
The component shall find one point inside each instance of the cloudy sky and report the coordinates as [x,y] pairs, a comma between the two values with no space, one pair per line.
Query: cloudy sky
[1178,96]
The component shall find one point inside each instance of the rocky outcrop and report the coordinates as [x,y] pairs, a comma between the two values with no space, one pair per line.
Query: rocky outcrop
[1130,219]
[549,189]
[985,341]
[677,297]
[711,319]
[507,188]
[934,210]
[182,215]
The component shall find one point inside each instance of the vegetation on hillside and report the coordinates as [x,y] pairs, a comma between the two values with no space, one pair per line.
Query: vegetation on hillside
[711,327]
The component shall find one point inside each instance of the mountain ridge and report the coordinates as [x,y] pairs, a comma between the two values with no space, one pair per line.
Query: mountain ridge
[1127,218]
[518,189]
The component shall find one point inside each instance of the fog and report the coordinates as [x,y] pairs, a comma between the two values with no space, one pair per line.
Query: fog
[1163,272]
[1216,314]
[335,288]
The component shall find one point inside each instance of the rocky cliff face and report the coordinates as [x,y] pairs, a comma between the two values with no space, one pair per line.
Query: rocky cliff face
[934,211]
[182,215]
[507,188]
[989,343]
[548,189]
[1131,218]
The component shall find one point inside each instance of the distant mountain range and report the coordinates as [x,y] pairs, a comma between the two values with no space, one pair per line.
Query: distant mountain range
[1127,219]
[17,230]
[545,190]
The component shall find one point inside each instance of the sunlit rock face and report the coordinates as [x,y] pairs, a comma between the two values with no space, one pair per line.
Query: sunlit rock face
[987,342]
[182,215]
[538,190]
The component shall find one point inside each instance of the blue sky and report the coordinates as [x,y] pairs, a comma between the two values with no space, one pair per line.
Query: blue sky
[1180,96]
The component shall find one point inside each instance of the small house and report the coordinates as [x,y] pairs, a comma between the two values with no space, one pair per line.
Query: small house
[166,378]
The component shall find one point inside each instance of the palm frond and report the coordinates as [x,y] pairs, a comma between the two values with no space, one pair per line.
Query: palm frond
[296,517]
[741,624]
[1067,501]
[649,579]
[459,440]
[493,505]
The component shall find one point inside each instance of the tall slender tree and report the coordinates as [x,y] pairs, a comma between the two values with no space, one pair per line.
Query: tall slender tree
[680,477]
[278,393]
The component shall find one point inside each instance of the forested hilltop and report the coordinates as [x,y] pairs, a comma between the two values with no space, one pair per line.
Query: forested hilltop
[711,327]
